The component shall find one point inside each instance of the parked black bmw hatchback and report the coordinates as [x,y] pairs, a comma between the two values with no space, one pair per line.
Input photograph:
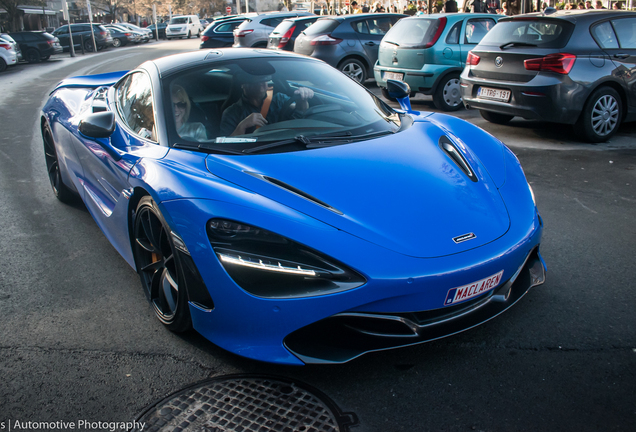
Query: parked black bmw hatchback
[574,67]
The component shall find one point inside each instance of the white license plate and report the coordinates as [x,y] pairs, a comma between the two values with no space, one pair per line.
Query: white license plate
[394,76]
[494,94]
[466,292]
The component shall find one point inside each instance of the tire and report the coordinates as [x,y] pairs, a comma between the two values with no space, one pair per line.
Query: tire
[385,94]
[117,42]
[188,37]
[494,117]
[88,45]
[354,69]
[601,116]
[447,96]
[33,56]
[159,267]
[3,65]
[61,191]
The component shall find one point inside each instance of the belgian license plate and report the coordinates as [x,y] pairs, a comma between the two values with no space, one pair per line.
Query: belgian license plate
[493,94]
[474,289]
[394,76]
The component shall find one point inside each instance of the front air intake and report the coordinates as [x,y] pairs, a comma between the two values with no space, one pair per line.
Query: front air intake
[451,150]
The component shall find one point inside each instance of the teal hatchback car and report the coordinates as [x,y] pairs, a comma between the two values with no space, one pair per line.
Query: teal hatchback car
[429,52]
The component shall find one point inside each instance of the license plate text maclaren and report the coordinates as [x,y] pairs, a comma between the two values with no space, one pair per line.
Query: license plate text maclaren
[494,94]
[459,294]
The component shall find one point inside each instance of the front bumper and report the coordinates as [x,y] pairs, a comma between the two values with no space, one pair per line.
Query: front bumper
[345,336]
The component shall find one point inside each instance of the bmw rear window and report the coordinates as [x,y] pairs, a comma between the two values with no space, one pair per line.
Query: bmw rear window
[412,33]
[544,33]
[322,26]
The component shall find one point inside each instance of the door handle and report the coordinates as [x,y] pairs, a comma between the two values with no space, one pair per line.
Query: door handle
[621,56]
[370,43]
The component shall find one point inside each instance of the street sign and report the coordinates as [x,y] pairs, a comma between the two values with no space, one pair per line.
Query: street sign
[228,10]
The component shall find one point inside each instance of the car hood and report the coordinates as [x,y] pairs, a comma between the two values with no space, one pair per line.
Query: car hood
[402,192]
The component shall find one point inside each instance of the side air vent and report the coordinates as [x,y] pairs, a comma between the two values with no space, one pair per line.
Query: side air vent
[293,190]
[447,145]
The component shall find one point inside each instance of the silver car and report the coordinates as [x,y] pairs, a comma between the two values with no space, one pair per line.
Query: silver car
[254,31]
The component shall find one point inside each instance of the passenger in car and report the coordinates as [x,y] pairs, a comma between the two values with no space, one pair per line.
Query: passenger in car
[181,106]
[258,106]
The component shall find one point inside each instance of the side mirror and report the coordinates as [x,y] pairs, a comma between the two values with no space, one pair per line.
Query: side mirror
[399,90]
[98,125]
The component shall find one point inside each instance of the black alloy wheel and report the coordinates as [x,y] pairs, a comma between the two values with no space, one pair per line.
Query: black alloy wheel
[61,191]
[33,56]
[496,118]
[159,267]
[88,45]
[601,116]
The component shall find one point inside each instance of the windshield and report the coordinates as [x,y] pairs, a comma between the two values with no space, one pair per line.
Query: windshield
[542,33]
[181,20]
[246,103]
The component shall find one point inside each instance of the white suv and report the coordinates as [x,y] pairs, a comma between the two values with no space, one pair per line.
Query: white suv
[183,26]
[8,55]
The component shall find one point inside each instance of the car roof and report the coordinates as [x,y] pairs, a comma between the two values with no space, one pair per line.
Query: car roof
[174,63]
[361,15]
[576,15]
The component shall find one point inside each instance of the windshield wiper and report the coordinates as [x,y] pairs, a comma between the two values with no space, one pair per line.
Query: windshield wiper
[199,147]
[516,44]
[326,141]
[318,141]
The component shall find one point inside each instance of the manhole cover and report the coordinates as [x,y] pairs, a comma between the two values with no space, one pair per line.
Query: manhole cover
[246,403]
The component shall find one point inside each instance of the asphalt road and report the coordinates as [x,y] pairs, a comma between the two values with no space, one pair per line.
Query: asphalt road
[79,341]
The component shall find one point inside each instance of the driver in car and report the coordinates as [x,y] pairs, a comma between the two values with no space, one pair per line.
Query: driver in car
[258,106]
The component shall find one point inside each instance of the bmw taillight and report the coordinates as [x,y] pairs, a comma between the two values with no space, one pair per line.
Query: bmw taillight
[288,34]
[243,33]
[204,38]
[472,59]
[440,29]
[5,46]
[560,63]
[326,40]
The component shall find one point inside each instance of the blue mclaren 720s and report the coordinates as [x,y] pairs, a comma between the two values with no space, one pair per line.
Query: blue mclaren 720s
[285,212]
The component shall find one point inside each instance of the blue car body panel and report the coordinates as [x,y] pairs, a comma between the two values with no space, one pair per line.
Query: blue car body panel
[400,202]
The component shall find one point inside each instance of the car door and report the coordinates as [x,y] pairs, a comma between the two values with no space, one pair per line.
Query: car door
[625,55]
[107,163]
[474,31]
[62,34]
[370,33]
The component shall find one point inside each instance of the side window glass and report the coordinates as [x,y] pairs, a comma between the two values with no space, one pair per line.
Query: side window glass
[62,30]
[379,26]
[604,36]
[476,29]
[453,34]
[134,104]
[360,27]
[626,31]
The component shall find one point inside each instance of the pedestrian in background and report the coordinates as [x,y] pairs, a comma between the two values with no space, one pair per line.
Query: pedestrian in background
[450,6]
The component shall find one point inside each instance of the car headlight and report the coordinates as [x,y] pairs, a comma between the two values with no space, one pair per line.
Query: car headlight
[269,265]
